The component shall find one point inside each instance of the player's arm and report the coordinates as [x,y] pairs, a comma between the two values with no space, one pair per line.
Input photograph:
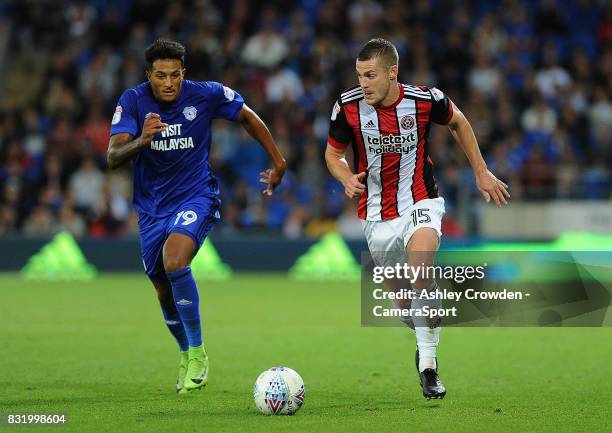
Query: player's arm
[123,146]
[257,129]
[340,135]
[336,163]
[489,186]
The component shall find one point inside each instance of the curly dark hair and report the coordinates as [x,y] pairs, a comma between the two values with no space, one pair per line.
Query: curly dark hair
[164,49]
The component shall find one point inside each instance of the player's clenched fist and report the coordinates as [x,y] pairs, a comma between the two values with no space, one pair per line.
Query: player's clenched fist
[152,125]
[353,186]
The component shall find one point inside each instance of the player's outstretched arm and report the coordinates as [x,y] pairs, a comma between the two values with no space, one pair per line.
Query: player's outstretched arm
[489,186]
[122,147]
[339,168]
[257,129]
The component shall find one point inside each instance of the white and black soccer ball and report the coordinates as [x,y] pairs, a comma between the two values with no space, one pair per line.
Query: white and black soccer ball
[279,391]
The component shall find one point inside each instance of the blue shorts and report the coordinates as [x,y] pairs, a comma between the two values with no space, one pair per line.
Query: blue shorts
[194,219]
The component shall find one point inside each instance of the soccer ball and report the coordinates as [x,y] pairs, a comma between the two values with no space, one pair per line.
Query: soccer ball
[279,391]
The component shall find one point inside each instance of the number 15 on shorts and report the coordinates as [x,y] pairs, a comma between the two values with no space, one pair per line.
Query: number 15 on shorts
[420,216]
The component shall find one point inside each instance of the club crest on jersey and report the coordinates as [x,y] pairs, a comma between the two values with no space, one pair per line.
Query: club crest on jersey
[117,115]
[407,122]
[190,113]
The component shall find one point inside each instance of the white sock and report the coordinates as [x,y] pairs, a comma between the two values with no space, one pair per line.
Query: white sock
[427,342]
[427,338]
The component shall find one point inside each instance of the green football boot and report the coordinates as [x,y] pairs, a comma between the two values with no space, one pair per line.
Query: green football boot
[182,371]
[197,369]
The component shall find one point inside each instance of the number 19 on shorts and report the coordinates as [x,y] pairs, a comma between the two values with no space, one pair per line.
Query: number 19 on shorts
[188,217]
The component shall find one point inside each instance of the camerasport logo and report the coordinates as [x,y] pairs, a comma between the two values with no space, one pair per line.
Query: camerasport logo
[407,122]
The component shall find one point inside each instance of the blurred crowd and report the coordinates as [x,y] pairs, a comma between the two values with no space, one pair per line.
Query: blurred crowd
[533,77]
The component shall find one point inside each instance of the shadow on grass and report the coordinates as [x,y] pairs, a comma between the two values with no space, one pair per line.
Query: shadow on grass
[430,406]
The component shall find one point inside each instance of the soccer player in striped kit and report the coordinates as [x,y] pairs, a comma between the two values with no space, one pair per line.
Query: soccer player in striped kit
[387,124]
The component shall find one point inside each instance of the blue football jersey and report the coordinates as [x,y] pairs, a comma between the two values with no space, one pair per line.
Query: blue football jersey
[174,168]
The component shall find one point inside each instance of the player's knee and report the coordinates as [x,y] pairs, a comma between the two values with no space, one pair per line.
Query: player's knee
[421,252]
[422,283]
[425,240]
[173,263]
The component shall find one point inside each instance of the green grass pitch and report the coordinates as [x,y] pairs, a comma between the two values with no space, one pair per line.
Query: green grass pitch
[99,351]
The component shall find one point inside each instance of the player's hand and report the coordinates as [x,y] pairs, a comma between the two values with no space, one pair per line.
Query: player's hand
[353,186]
[271,177]
[492,188]
[152,125]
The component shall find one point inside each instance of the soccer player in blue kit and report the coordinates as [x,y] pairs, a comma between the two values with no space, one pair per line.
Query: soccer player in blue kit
[164,127]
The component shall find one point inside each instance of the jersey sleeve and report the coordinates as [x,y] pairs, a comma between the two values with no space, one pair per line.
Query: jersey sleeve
[228,102]
[340,132]
[441,108]
[125,116]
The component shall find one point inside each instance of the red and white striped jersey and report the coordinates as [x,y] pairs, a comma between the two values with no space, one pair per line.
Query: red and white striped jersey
[390,145]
